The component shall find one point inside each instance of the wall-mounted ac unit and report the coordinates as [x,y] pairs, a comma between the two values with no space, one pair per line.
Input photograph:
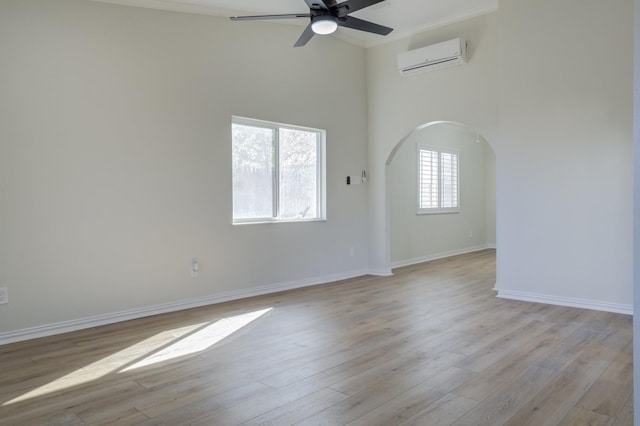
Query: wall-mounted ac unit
[436,56]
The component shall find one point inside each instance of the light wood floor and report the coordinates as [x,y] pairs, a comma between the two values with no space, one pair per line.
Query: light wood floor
[429,346]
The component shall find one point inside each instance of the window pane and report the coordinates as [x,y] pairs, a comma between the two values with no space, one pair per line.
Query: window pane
[449,164]
[428,179]
[298,174]
[438,180]
[253,166]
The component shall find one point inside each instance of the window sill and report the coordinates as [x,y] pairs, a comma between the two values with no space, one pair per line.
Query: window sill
[420,213]
[268,222]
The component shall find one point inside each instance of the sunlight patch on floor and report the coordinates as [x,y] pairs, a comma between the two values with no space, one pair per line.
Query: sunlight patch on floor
[166,345]
[200,340]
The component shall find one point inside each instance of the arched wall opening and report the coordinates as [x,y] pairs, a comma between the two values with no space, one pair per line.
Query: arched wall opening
[414,238]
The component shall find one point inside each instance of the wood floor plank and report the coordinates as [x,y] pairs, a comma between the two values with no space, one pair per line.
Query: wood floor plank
[625,416]
[388,386]
[299,409]
[25,411]
[492,332]
[130,417]
[501,373]
[608,395]
[343,371]
[444,411]
[555,400]
[419,363]
[183,414]
[413,401]
[495,350]
[58,418]
[328,359]
[430,345]
[577,416]
[500,406]
[570,348]
[259,404]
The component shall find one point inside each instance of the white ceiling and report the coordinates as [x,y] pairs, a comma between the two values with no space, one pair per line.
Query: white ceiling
[406,17]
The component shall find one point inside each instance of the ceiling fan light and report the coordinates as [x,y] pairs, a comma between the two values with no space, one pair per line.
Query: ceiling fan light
[324,25]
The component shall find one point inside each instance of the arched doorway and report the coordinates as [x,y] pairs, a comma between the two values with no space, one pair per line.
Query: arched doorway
[416,234]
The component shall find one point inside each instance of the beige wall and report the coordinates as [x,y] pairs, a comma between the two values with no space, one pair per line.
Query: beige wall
[115,157]
[564,157]
[416,238]
[490,195]
[400,104]
[548,85]
[115,154]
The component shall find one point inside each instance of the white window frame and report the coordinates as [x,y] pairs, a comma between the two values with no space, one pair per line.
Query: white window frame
[439,209]
[320,170]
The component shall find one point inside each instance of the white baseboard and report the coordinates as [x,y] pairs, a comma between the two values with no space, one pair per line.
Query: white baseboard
[111,318]
[416,260]
[382,272]
[565,301]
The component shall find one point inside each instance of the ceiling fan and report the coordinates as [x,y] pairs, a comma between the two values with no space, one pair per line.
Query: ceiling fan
[326,16]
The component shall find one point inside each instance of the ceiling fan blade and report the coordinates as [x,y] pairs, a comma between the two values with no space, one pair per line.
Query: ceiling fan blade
[351,6]
[263,17]
[359,24]
[305,37]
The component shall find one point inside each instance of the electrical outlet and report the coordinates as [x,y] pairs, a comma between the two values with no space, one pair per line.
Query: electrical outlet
[4,295]
[195,268]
